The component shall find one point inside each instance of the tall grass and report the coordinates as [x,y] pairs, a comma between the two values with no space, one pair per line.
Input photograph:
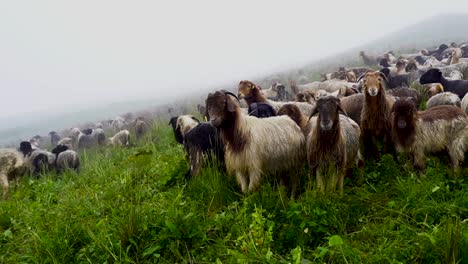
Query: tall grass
[133,205]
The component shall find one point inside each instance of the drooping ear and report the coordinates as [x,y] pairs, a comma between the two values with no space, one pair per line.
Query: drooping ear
[314,112]
[230,104]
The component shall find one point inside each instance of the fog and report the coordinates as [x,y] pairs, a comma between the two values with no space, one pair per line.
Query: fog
[62,55]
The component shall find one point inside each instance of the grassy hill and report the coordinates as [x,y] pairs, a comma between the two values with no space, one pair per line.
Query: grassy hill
[133,205]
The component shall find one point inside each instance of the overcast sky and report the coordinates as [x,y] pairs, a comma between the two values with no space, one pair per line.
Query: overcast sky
[78,53]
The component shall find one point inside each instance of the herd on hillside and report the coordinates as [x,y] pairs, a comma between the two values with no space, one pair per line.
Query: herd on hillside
[352,116]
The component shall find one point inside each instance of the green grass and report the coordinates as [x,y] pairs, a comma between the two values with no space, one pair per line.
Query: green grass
[133,205]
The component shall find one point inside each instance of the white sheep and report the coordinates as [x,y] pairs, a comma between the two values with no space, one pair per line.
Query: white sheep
[255,147]
[66,159]
[121,138]
[12,166]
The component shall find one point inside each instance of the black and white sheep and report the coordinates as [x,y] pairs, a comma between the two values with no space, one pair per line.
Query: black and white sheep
[458,87]
[256,147]
[37,160]
[201,143]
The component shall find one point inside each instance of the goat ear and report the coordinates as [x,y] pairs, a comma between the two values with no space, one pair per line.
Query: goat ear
[340,109]
[230,104]
[360,77]
[314,112]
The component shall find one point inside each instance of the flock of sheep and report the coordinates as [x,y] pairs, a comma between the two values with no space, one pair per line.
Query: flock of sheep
[32,157]
[337,123]
[330,125]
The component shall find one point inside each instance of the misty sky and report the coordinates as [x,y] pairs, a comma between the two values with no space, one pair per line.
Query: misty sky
[78,53]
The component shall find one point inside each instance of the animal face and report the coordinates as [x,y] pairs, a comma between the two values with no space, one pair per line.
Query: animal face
[328,109]
[431,76]
[404,111]
[373,83]
[219,105]
[245,89]
[25,147]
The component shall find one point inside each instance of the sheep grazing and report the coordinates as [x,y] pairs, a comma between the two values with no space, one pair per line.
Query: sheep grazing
[12,166]
[67,142]
[464,103]
[99,136]
[256,147]
[458,87]
[374,116]
[405,93]
[261,110]
[66,159]
[37,160]
[54,138]
[332,145]
[121,138]
[436,129]
[140,128]
[445,98]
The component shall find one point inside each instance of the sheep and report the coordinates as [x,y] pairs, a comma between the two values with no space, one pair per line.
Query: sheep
[329,86]
[352,105]
[368,60]
[261,110]
[464,103]
[121,138]
[455,75]
[459,87]
[332,144]
[201,142]
[306,97]
[118,123]
[250,92]
[54,138]
[255,147]
[140,128]
[430,131]
[438,52]
[99,136]
[66,159]
[37,160]
[457,55]
[433,88]
[295,114]
[445,98]
[395,81]
[374,115]
[67,142]
[406,92]
[12,166]
[433,62]
[87,139]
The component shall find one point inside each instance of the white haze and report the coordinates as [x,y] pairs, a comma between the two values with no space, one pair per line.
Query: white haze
[57,55]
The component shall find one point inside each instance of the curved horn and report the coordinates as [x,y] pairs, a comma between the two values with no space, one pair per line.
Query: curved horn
[229,93]
[360,77]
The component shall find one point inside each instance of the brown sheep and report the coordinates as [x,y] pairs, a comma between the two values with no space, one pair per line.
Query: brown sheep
[433,130]
[295,114]
[352,105]
[375,112]
[332,144]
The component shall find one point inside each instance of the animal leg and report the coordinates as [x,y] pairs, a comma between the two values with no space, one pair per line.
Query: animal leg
[242,181]
[4,180]
[254,180]
[319,181]
[419,162]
